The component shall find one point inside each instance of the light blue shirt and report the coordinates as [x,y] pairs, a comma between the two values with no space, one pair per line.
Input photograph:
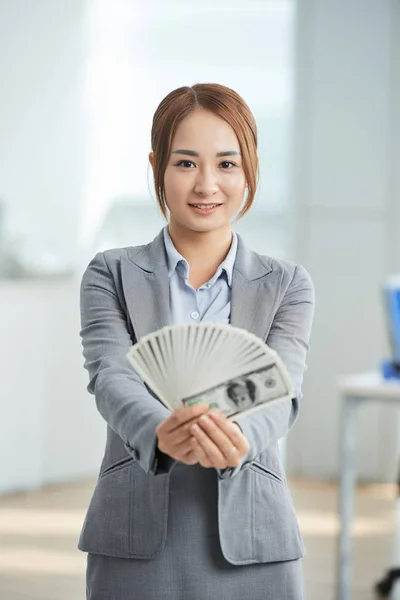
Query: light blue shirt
[212,301]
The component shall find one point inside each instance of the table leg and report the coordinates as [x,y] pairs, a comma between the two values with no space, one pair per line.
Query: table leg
[346,496]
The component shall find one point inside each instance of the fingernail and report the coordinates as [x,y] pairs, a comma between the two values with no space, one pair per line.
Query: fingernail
[204,419]
[214,414]
[195,428]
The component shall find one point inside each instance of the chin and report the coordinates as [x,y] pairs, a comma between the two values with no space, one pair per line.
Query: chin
[202,227]
[211,224]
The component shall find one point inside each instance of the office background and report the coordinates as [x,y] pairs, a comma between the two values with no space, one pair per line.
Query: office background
[80,81]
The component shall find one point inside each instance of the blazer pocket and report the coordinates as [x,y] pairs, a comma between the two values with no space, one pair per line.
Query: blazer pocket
[127,515]
[121,463]
[257,520]
[258,467]
[275,527]
[106,526]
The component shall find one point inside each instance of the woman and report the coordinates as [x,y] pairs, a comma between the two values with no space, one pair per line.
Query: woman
[189,505]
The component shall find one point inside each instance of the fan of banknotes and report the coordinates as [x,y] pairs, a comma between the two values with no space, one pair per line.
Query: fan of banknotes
[225,366]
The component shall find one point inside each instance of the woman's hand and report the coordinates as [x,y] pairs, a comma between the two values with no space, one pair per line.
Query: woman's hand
[218,442]
[174,433]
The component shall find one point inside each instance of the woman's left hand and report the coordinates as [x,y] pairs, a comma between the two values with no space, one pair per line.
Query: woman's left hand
[218,442]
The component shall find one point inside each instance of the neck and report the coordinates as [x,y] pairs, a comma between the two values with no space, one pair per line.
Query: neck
[203,250]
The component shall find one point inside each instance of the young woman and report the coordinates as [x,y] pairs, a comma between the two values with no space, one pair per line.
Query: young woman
[189,505]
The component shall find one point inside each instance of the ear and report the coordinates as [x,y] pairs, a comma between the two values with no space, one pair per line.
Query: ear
[151,159]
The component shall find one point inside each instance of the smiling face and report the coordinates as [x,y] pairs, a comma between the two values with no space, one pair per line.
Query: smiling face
[204,180]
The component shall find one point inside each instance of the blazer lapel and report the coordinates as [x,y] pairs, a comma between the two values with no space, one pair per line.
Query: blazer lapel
[144,274]
[253,292]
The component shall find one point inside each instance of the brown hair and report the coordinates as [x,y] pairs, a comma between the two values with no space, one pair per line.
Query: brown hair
[223,102]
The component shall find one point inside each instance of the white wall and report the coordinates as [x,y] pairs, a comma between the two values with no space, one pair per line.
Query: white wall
[50,430]
[41,149]
[137,45]
[346,218]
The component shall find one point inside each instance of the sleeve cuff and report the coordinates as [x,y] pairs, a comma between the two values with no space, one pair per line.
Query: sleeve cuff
[162,463]
[158,464]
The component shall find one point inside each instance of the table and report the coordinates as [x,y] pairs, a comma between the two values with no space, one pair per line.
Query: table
[354,390]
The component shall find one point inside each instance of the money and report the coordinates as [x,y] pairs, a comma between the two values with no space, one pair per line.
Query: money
[244,393]
[227,367]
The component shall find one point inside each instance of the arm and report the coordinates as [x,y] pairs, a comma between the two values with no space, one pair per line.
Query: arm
[121,396]
[289,336]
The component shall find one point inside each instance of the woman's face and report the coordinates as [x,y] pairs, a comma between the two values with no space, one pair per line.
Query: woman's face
[204,179]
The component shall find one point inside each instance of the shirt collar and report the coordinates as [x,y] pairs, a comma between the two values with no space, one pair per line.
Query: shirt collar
[174,259]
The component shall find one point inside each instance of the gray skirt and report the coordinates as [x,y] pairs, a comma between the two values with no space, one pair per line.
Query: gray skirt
[191,566]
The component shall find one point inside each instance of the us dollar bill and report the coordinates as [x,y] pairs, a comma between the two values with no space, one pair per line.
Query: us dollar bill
[244,393]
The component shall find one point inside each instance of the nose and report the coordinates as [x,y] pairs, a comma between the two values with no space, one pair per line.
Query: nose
[206,183]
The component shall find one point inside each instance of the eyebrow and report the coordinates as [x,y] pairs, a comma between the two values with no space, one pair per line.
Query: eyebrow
[193,153]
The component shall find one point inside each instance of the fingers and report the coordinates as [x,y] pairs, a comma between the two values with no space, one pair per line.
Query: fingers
[201,456]
[182,416]
[190,435]
[176,443]
[214,443]
[178,436]
[225,434]
[174,434]
[219,441]
[232,430]
[190,458]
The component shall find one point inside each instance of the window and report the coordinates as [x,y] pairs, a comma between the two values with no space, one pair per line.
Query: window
[138,51]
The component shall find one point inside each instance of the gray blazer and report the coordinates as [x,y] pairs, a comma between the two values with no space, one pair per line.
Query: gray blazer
[124,296]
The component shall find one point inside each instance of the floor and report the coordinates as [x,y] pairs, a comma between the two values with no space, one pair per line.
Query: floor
[38,534]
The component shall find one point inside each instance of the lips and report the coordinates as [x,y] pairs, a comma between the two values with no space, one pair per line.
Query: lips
[203,205]
[201,208]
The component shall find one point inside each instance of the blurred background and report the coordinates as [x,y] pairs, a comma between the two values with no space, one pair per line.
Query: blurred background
[79,83]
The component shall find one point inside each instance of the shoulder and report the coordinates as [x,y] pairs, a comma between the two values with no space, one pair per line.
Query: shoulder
[147,257]
[252,265]
[285,271]
[277,265]
[289,270]
[114,255]
[105,267]
[111,258]
[290,281]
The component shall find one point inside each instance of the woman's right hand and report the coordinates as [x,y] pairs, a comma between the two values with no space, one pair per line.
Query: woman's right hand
[174,433]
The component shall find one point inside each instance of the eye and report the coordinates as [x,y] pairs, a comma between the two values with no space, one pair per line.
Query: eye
[184,163]
[227,162]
